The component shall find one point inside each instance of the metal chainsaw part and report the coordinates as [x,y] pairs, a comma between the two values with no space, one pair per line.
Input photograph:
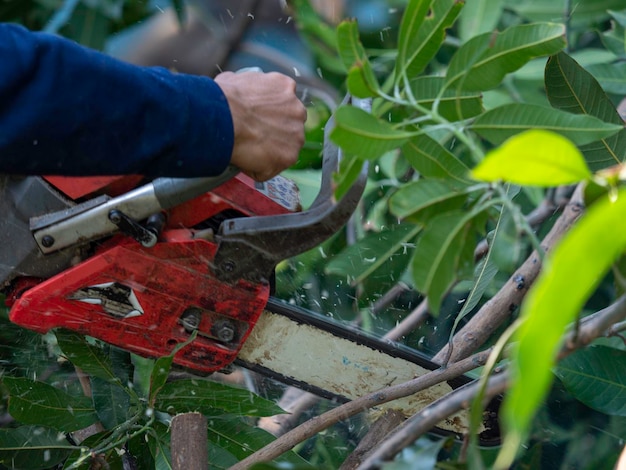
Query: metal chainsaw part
[251,247]
[60,230]
[301,348]
[20,200]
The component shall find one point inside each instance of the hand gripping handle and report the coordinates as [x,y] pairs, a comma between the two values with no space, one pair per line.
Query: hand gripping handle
[250,247]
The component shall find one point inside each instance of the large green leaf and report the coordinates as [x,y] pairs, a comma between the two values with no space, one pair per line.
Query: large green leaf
[584,12]
[571,88]
[33,448]
[483,61]
[422,32]
[597,377]
[479,16]
[38,403]
[89,357]
[241,439]
[362,258]
[417,196]
[615,39]
[111,402]
[361,134]
[361,80]
[571,272]
[439,255]
[211,398]
[612,77]
[453,105]
[432,160]
[503,122]
[553,161]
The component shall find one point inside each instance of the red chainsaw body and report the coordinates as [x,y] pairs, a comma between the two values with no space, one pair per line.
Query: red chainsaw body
[149,300]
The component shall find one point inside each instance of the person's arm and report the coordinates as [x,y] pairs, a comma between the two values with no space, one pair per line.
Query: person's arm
[65,109]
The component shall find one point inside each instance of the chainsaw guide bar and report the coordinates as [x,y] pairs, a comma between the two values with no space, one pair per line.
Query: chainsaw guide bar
[341,363]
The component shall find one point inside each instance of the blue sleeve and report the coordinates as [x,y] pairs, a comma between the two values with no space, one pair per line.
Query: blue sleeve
[66,109]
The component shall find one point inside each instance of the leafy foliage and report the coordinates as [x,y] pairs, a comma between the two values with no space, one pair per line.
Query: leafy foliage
[469,100]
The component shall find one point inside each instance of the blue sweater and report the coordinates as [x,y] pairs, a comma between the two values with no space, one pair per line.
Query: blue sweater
[65,109]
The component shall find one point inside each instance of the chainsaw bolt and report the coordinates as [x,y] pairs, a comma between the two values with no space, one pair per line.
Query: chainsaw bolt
[47,241]
[190,319]
[224,331]
[228,266]
[115,216]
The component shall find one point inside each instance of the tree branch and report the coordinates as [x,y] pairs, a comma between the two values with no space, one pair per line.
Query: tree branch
[422,422]
[311,427]
[500,307]
[592,327]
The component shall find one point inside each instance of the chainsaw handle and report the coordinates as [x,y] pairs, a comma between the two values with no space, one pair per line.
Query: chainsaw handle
[250,247]
[171,192]
[90,220]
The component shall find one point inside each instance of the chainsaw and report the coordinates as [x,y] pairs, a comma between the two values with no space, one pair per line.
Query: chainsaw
[146,266]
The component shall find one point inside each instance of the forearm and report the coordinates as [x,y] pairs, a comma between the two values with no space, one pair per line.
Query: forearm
[68,110]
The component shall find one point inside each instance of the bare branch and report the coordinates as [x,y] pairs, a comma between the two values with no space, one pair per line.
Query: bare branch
[592,327]
[500,307]
[311,427]
[425,420]
[410,322]
[389,421]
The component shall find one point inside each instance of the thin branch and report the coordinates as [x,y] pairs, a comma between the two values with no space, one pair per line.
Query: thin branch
[317,424]
[502,305]
[425,420]
[592,327]
[414,319]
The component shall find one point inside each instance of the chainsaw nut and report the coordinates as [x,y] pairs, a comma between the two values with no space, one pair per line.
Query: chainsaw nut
[224,330]
[47,241]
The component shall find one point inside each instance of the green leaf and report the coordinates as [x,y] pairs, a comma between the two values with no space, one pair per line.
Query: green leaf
[571,88]
[211,398]
[483,61]
[41,404]
[241,439]
[596,376]
[161,370]
[612,77]
[452,105]
[88,26]
[361,134]
[503,122]
[438,255]
[422,32]
[349,171]
[432,160]
[90,358]
[615,39]
[536,158]
[111,402]
[416,196]
[159,445]
[585,12]
[361,259]
[33,448]
[557,297]
[361,80]
[320,37]
[478,17]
